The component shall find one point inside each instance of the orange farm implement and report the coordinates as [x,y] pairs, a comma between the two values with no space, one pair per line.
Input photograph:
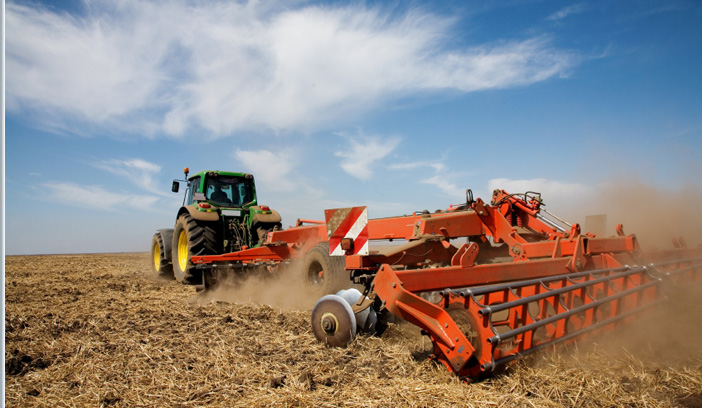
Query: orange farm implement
[487,283]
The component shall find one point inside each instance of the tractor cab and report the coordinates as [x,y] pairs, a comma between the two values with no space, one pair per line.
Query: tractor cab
[219,188]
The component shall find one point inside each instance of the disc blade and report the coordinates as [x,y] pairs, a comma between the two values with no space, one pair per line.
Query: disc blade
[333,321]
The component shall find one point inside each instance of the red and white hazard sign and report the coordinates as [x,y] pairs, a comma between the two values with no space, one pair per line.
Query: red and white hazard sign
[347,229]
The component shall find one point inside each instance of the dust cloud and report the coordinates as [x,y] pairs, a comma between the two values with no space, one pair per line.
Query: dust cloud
[665,335]
[654,215]
[284,288]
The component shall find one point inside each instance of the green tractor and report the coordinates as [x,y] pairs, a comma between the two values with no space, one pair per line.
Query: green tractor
[220,214]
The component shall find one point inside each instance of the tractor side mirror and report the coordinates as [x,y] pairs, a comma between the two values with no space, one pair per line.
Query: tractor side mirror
[176,186]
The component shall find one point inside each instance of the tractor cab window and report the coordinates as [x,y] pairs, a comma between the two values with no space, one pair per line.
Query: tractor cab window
[228,191]
[193,186]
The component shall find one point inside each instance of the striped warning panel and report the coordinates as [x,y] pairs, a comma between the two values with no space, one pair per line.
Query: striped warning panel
[351,223]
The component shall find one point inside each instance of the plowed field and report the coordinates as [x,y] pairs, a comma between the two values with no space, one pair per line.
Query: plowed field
[100,330]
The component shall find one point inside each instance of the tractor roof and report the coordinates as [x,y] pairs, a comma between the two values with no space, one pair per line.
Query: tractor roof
[220,173]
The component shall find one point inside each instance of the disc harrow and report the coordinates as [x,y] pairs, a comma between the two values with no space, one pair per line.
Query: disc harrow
[560,285]
[487,283]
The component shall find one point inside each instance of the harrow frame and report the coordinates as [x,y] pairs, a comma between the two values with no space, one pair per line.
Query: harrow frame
[524,279]
[558,286]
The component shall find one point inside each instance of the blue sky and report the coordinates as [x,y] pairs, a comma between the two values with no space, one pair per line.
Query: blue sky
[400,106]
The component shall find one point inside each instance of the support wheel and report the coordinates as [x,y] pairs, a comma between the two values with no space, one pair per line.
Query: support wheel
[161,253]
[333,321]
[191,237]
[323,273]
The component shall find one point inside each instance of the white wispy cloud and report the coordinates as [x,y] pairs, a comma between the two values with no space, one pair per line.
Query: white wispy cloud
[444,183]
[567,11]
[443,178]
[94,68]
[168,67]
[358,158]
[136,171]
[272,170]
[95,197]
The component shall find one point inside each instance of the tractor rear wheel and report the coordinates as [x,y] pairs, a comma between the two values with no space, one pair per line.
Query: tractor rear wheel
[190,238]
[161,253]
[322,273]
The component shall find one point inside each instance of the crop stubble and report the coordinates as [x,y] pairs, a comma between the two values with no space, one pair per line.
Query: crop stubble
[99,330]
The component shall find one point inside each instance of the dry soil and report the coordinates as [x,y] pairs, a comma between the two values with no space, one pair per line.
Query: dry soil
[100,330]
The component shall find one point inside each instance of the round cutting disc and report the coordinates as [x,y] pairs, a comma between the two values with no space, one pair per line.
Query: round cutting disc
[333,322]
[351,296]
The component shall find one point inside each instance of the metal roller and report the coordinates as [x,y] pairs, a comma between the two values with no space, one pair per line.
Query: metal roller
[351,296]
[366,316]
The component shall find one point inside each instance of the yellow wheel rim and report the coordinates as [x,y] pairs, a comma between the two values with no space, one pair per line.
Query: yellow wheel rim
[157,256]
[183,250]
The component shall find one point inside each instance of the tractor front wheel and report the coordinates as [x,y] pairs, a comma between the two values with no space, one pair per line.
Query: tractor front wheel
[192,238]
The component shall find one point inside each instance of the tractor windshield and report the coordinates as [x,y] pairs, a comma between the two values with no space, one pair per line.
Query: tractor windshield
[229,191]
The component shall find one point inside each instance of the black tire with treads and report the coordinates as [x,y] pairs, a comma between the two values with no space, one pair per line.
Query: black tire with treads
[192,238]
[323,273]
[161,253]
